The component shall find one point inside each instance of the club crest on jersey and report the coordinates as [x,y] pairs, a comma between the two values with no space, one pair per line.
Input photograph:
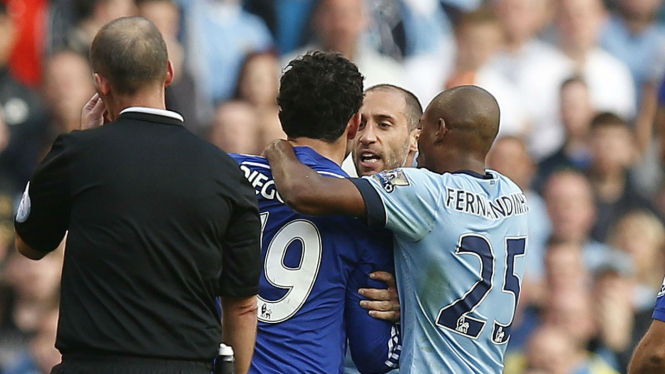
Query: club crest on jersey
[391,179]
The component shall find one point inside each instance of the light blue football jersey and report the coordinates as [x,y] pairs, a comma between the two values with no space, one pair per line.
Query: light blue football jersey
[460,241]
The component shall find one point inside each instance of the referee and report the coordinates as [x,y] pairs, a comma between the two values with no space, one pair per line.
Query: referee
[159,221]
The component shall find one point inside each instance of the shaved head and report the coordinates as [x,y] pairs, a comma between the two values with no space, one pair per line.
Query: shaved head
[131,53]
[459,123]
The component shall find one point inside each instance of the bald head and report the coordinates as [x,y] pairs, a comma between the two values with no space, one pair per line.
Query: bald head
[459,127]
[131,53]
[472,112]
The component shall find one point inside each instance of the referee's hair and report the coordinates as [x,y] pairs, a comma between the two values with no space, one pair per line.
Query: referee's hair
[131,53]
[412,105]
[318,94]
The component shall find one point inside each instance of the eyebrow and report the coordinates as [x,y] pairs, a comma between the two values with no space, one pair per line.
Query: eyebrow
[385,117]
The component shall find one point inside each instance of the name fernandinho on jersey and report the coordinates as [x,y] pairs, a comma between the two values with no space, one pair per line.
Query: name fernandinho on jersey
[472,203]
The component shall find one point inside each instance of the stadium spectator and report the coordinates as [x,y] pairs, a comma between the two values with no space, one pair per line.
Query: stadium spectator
[569,313]
[235,129]
[632,35]
[613,153]
[510,157]
[338,26]
[479,38]
[23,113]
[570,203]
[257,85]
[40,355]
[91,15]
[564,269]
[578,25]
[531,65]
[67,87]
[181,95]
[576,114]
[287,20]
[218,36]
[641,234]
[614,312]
[34,292]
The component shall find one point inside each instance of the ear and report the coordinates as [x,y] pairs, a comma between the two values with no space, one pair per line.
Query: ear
[168,78]
[102,85]
[441,130]
[352,126]
[413,140]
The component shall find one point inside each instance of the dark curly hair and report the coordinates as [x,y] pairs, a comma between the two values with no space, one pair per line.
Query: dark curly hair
[318,94]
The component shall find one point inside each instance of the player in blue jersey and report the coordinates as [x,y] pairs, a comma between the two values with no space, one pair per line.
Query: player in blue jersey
[313,267]
[649,356]
[460,233]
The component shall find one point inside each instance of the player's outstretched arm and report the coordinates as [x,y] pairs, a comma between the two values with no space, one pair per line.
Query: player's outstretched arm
[649,356]
[308,193]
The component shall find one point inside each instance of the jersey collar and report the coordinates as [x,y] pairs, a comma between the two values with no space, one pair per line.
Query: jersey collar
[474,174]
[154,111]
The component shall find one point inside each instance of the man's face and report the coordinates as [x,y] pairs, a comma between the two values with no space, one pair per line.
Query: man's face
[384,140]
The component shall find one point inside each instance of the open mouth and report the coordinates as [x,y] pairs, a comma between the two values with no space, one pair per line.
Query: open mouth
[369,158]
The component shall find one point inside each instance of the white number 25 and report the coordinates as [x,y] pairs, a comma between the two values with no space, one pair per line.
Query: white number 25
[298,281]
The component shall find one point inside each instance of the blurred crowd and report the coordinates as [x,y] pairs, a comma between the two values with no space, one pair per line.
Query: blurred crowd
[579,83]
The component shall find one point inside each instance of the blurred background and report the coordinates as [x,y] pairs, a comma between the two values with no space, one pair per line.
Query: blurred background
[579,82]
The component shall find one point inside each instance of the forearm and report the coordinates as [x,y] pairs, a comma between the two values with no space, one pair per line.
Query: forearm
[239,321]
[308,193]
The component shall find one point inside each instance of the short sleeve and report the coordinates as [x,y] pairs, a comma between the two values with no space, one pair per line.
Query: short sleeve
[407,201]
[659,310]
[43,215]
[241,246]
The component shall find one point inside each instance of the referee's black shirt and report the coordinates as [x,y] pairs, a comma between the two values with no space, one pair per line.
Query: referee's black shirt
[160,222]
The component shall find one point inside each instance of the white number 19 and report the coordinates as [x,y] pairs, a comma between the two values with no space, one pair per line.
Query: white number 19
[300,280]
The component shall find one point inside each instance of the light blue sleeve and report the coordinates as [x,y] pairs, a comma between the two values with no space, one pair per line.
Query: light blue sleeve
[411,198]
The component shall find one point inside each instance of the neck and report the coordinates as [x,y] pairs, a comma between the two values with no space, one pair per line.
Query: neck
[609,187]
[576,53]
[514,44]
[334,151]
[461,161]
[153,98]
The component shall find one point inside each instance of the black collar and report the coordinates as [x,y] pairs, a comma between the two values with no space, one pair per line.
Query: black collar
[474,174]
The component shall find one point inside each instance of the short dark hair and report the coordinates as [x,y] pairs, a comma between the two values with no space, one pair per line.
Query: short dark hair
[608,119]
[131,53]
[318,94]
[413,108]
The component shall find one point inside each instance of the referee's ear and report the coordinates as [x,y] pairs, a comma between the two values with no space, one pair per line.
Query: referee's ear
[168,77]
[102,85]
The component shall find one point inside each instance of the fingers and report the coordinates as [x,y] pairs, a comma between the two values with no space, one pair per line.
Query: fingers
[386,316]
[380,306]
[383,276]
[375,294]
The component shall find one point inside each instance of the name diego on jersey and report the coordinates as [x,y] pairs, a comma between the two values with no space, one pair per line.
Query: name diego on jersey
[472,203]
[262,183]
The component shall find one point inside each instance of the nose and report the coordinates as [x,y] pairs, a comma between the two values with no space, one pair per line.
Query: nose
[368,135]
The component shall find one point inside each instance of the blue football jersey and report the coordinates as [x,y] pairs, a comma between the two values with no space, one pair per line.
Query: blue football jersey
[313,268]
[459,242]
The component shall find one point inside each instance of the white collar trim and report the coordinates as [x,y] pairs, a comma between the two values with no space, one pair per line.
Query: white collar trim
[159,112]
